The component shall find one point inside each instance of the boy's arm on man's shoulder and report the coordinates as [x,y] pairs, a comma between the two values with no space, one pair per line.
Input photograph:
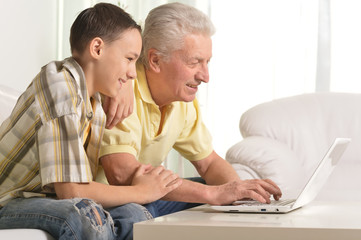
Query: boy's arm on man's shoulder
[119,107]
[119,168]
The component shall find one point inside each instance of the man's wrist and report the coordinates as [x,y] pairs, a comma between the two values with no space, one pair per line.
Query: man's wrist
[210,194]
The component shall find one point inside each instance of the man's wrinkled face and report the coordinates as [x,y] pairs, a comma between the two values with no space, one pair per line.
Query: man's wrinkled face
[187,68]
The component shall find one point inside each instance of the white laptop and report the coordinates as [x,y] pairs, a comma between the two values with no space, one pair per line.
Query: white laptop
[309,192]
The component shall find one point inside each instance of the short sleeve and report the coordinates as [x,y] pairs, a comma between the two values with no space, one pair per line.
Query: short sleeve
[62,156]
[195,141]
[125,137]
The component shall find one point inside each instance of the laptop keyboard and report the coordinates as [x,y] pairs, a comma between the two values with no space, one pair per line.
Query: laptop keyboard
[273,203]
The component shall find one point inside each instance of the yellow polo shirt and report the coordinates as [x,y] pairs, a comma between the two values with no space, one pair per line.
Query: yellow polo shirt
[139,134]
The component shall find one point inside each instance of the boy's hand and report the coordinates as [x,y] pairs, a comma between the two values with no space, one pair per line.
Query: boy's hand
[154,183]
[119,107]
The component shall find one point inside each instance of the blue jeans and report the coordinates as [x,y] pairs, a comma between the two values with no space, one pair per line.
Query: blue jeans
[72,218]
[161,208]
[82,218]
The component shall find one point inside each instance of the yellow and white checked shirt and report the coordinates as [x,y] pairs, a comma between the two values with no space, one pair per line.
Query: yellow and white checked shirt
[42,142]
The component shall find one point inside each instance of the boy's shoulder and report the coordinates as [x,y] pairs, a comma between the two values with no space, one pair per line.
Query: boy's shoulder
[60,87]
[62,72]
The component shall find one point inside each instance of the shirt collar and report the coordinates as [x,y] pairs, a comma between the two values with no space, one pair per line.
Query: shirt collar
[78,74]
[143,85]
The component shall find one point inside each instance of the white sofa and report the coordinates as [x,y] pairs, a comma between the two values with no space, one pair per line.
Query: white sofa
[285,139]
[8,97]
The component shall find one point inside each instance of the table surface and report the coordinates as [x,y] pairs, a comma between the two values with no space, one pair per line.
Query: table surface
[317,220]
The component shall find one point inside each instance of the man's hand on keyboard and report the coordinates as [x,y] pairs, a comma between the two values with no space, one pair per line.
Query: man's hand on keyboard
[256,189]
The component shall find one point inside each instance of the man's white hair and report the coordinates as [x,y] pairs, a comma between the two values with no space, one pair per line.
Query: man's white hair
[166,27]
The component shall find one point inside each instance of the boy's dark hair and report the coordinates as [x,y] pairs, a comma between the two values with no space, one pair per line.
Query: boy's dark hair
[104,20]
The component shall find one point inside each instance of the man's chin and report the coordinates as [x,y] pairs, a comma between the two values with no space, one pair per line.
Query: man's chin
[189,99]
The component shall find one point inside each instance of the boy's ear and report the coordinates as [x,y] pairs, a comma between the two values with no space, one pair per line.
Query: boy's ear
[96,47]
[154,60]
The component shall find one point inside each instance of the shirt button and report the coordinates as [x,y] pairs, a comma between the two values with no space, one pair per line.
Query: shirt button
[89,115]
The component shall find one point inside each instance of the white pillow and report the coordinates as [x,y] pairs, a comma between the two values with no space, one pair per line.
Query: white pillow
[269,159]
[245,172]
[8,98]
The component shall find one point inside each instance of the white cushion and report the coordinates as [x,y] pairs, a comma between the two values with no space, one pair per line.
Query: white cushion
[8,98]
[24,234]
[304,125]
[308,124]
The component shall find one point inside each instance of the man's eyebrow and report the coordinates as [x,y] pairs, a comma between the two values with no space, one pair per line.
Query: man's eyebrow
[201,59]
[134,54]
[195,58]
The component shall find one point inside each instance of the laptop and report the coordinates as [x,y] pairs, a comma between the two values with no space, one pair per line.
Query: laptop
[309,192]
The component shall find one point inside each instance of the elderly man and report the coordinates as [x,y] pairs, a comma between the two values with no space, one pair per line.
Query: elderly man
[177,47]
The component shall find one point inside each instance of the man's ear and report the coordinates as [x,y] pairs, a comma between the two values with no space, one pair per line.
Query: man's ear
[154,60]
[96,47]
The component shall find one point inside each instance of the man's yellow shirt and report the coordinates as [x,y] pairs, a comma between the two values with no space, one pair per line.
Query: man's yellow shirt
[149,139]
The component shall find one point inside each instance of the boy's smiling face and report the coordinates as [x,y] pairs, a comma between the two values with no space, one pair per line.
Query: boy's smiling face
[117,63]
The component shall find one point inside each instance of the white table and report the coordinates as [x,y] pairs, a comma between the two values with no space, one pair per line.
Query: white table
[317,220]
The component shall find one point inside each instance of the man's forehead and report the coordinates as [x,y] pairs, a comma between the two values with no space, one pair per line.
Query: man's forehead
[197,46]
[190,54]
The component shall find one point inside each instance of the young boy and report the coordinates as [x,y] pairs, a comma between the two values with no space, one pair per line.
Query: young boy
[50,143]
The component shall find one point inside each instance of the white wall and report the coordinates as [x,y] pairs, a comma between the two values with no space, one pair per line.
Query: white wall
[28,39]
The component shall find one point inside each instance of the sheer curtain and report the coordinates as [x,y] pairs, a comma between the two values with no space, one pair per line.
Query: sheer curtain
[345,46]
[69,9]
